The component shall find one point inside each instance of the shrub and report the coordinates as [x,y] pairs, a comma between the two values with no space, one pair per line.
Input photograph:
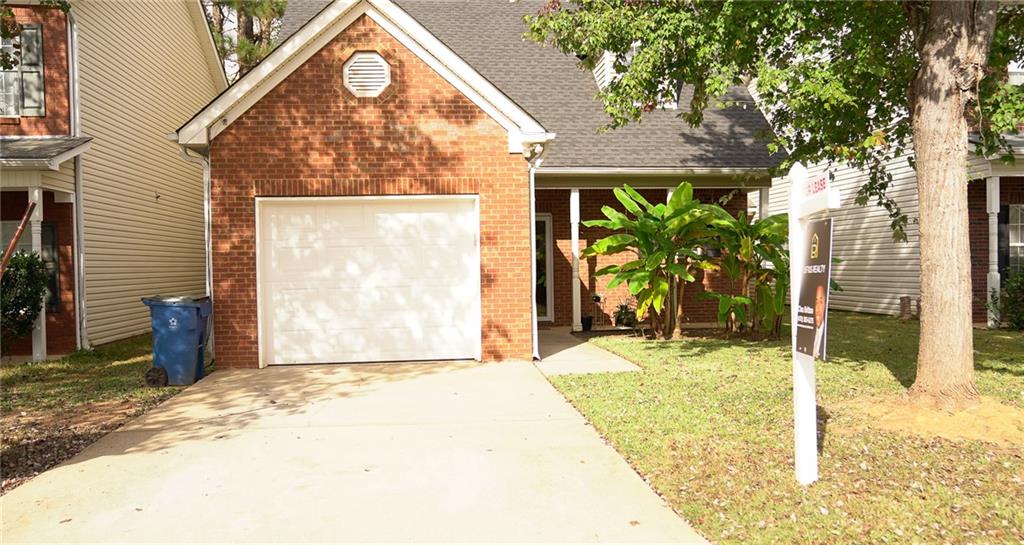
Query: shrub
[1008,303]
[625,315]
[22,293]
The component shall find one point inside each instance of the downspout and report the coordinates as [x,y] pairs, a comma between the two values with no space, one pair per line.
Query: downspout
[203,162]
[78,240]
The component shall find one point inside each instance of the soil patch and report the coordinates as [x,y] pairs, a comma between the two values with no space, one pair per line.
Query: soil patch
[990,421]
[35,442]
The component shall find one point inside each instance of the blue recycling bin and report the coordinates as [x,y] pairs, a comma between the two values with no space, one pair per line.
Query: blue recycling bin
[179,336]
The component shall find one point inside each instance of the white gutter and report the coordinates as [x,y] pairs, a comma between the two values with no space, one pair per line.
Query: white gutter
[78,240]
[644,171]
[205,164]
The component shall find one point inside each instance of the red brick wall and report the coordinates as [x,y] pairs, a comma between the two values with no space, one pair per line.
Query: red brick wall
[310,137]
[1011,191]
[60,325]
[556,203]
[57,118]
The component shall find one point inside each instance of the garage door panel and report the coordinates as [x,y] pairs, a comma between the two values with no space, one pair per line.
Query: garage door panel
[285,259]
[292,223]
[369,280]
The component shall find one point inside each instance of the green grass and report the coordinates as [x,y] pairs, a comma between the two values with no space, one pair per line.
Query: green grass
[709,423]
[112,372]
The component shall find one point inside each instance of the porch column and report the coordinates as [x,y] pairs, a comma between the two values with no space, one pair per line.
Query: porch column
[992,208]
[762,202]
[35,194]
[574,223]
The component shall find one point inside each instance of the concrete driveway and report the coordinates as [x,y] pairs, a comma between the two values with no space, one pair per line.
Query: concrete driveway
[444,452]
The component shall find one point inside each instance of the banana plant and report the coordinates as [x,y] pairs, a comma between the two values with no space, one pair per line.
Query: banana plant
[754,255]
[664,239]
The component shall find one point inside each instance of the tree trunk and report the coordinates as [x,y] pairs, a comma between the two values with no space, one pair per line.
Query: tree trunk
[680,286]
[953,51]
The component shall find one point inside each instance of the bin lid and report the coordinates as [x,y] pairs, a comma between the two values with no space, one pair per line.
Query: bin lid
[176,301]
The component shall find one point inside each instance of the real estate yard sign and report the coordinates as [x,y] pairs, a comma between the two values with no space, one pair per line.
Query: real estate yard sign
[812,306]
[810,249]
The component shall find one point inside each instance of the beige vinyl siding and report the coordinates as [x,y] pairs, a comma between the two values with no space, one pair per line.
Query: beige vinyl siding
[55,180]
[144,68]
[875,271]
[60,180]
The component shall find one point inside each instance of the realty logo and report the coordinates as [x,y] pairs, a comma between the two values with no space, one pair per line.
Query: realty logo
[814,246]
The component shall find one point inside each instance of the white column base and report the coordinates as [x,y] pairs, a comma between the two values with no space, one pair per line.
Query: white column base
[992,283]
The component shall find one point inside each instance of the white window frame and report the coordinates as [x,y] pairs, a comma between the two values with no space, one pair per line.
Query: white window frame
[1019,228]
[549,268]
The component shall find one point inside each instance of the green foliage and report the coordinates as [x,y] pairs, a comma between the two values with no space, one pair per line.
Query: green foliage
[832,77]
[10,28]
[664,239]
[754,256]
[22,293]
[244,31]
[1008,303]
[625,315]
[732,309]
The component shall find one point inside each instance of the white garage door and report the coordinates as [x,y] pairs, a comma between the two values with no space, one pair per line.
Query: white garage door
[368,279]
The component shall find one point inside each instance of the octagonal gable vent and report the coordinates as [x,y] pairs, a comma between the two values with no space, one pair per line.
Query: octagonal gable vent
[366,74]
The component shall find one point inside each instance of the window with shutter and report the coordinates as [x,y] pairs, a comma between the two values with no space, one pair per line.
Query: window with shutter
[22,90]
[366,74]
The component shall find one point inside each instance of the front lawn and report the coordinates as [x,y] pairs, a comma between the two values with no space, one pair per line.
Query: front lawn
[709,423]
[50,411]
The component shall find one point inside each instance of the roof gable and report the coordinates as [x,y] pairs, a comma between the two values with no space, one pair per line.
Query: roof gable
[311,37]
[561,95]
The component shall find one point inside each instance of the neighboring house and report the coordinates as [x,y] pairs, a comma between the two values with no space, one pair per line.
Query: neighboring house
[405,181]
[876,271]
[83,125]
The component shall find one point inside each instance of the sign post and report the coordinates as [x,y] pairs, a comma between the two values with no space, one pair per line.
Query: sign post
[810,257]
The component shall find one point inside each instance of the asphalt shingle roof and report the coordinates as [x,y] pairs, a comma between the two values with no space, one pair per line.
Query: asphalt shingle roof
[37,148]
[555,90]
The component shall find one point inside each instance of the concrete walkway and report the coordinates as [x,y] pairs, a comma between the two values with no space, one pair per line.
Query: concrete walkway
[562,353]
[442,452]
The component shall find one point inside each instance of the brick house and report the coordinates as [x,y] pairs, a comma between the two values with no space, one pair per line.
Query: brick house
[83,123]
[405,180]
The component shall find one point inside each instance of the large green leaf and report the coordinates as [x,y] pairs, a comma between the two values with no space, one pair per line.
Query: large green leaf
[636,196]
[627,202]
[609,245]
[681,195]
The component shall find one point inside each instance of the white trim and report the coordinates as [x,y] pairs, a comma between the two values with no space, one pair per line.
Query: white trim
[574,248]
[454,197]
[549,252]
[216,64]
[323,28]
[534,332]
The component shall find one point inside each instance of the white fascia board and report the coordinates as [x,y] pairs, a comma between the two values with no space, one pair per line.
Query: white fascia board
[55,162]
[648,171]
[460,74]
[316,34]
[260,80]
